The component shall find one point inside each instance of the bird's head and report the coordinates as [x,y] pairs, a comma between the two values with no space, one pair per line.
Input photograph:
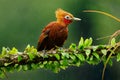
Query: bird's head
[65,17]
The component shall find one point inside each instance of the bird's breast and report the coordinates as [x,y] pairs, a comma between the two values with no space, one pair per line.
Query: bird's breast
[62,33]
[58,35]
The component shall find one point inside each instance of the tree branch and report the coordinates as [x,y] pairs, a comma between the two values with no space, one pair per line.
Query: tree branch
[57,59]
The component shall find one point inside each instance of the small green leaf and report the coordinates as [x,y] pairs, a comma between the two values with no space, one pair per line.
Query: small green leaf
[73,57]
[13,51]
[81,43]
[81,57]
[31,56]
[34,66]
[55,67]
[101,46]
[4,51]
[50,55]
[118,57]
[63,67]
[16,65]
[49,65]
[104,51]
[78,63]
[113,41]
[96,55]
[93,62]
[64,62]
[57,56]
[95,48]
[72,46]
[91,58]
[56,70]
[41,65]
[19,68]
[45,62]
[6,64]
[25,67]
[88,42]
[110,62]
[50,62]
[19,58]
[30,49]
[28,46]
[27,49]
[56,63]
[104,59]
[65,55]
[87,52]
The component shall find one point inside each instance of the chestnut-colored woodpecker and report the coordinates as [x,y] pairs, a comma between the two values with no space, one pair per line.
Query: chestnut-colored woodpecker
[56,32]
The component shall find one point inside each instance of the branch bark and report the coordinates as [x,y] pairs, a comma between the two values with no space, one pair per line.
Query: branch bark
[41,57]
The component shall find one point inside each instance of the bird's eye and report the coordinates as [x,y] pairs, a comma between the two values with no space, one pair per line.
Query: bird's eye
[67,17]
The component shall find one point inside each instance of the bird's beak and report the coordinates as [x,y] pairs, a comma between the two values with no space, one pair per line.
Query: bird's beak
[76,19]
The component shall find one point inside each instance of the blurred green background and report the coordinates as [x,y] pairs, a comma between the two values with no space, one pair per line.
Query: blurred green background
[21,22]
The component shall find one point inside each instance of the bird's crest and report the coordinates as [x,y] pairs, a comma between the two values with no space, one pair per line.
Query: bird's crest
[60,13]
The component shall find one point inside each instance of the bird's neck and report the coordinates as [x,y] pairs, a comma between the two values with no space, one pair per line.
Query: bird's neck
[64,22]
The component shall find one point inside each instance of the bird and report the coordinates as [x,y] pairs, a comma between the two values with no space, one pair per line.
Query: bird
[56,32]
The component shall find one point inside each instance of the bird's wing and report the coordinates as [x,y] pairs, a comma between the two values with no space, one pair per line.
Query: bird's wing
[42,37]
[45,31]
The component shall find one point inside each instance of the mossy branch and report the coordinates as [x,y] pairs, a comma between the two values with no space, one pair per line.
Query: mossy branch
[24,58]
[75,55]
